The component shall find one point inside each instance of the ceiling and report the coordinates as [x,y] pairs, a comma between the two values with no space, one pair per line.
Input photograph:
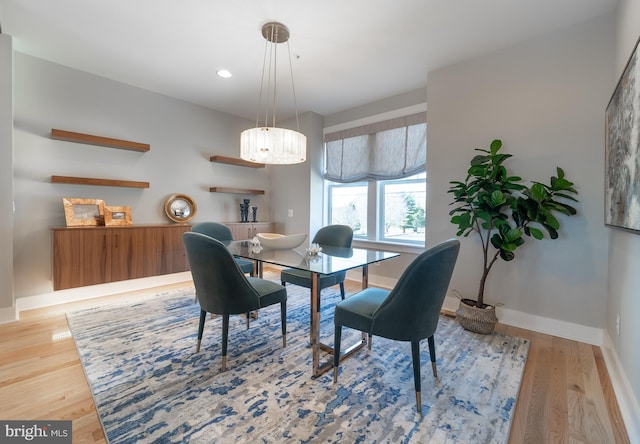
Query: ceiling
[345,53]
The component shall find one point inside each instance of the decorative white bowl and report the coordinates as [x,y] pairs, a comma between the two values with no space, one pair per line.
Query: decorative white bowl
[281,241]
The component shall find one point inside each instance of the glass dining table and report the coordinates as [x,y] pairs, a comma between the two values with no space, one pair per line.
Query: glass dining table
[329,260]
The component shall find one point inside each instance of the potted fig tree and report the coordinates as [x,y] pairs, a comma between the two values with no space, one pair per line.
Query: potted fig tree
[499,209]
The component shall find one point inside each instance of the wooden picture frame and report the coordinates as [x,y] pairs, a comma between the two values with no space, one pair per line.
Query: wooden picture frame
[83,212]
[114,216]
[622,150]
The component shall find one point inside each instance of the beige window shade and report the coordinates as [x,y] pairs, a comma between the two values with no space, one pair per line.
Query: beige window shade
[392,149]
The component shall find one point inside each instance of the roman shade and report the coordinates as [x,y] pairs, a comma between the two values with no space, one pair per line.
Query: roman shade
[386,150]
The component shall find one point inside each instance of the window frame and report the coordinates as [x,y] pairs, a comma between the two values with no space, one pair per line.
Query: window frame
[375,210]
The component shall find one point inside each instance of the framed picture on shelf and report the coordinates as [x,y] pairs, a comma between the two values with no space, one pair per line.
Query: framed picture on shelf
[83,212]
[117,215]
[622,149]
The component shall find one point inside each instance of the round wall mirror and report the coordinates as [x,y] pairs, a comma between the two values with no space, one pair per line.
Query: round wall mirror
[180,208]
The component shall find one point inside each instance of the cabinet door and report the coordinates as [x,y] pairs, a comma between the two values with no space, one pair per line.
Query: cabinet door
[240,231]
[129,248]
[81,257]
[148,251]
[170,255]
[262,227]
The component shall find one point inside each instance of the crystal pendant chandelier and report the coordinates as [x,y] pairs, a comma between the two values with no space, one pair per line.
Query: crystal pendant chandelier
[267,143]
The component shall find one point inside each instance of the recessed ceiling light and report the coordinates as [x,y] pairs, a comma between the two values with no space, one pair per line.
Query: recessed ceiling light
[224,73]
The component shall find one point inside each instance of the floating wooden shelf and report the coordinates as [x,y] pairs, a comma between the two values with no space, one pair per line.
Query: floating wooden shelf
[234,161]
[88,139]
[100,182]
[234,190]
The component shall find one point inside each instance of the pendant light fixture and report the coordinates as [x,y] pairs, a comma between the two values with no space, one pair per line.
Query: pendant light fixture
[268,143]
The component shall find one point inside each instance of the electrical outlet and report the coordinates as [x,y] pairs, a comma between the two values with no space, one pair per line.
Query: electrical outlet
[618,324]
[290,213]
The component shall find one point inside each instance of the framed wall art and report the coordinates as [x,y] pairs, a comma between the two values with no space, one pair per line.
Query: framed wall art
[117,215]
[622,149]
[79,211]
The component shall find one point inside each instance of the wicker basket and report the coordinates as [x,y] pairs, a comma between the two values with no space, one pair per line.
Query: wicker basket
[477,320]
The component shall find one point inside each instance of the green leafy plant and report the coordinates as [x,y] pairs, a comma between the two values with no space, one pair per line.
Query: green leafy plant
[501,210]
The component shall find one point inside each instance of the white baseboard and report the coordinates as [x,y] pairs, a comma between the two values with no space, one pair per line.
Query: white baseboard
[8,314]
[554,327]
[629,407]
[95,291]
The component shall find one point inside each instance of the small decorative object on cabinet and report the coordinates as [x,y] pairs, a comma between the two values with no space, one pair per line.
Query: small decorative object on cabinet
[79,211]
[180,208]
[244,210]
[117,216]
[254,213]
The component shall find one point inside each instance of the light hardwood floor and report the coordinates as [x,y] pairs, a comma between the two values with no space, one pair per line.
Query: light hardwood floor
[565,396]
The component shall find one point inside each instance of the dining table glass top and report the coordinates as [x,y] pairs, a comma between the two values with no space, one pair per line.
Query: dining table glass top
[329,260]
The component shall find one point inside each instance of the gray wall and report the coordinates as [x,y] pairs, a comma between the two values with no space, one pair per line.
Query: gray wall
[7,306]
[624,248]
[292,184]
[545,99]
[182,137]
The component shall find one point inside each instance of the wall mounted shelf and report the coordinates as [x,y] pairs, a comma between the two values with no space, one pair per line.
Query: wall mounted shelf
[99,182]
[234,190]
[234,161]
[89,139]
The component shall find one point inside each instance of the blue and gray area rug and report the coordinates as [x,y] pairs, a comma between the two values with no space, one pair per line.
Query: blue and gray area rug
[149,385]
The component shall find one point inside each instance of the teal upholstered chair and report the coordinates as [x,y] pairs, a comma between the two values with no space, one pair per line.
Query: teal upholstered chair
[222,233]
[223,289]
[408,312]
[332,236]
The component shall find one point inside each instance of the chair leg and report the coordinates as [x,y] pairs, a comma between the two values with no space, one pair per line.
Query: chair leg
[432,355]
[283,321]
[225,339]
[370,341]
[337,337]
[342,290]
[248,319]
[203,317]
[415,355]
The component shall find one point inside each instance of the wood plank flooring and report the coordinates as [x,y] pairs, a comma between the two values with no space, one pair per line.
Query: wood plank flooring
[565,396]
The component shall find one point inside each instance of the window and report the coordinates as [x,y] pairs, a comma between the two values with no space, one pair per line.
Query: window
[376,181]
[402,209]
[348,206]
[387,210]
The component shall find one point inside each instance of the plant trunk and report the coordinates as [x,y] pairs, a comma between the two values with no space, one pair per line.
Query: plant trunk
[480,297]
[485,273]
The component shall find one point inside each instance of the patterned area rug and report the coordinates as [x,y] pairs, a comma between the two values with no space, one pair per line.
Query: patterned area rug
[149,385]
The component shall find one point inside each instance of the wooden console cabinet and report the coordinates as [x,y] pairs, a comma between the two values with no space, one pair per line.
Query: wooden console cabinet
[248,230]
[97,255]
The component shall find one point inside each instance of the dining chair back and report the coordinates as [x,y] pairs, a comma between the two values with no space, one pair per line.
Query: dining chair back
[329,236]
[408,312]
[223,289]
[222,233]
